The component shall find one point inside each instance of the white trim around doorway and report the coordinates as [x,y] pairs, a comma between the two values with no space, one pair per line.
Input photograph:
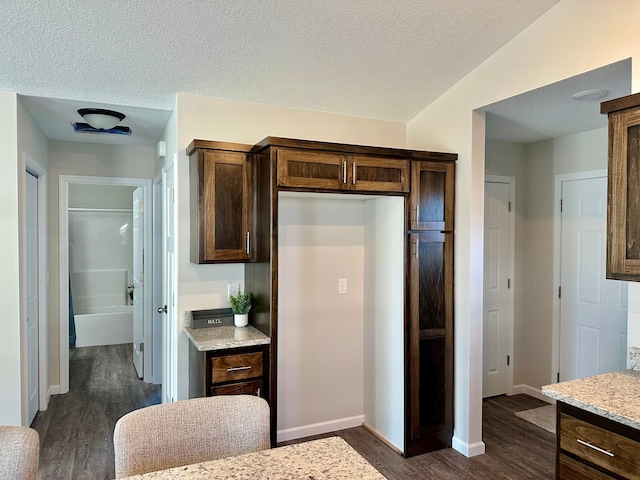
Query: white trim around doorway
[63,262]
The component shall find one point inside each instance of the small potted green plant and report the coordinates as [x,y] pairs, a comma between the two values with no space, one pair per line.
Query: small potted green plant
[241,304]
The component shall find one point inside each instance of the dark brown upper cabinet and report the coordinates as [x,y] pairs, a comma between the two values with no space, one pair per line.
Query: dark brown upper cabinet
[432,190]
[337,171]
[623,204]
[220,190]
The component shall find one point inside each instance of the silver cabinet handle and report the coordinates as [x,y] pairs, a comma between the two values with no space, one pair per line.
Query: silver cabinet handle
[344,171]
[236,369]
[597,449]
[258,392]
[353,172]
[248,244]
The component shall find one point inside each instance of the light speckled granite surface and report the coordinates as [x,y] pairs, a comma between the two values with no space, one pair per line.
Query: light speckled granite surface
[634,358]
[615,396]
[325,459]
[219,338]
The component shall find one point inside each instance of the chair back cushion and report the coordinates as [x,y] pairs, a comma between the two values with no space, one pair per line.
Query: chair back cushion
[190,431]
[19,453]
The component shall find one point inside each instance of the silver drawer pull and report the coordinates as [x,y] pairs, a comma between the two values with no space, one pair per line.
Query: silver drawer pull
[597,449]
[236,369]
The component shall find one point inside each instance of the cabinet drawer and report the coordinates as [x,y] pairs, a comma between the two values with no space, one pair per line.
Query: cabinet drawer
[571,469]
[616,453]
[253,387]
[236,367]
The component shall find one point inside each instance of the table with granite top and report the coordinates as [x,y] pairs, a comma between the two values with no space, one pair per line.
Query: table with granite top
[615,396]
[325,459]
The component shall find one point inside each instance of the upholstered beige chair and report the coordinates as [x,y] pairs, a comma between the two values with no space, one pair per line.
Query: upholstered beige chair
[190,431]
[19,453]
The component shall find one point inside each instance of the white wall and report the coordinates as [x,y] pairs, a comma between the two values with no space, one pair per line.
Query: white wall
[320,333]
[572,37]
[11,371]
[205,286]
[384,279]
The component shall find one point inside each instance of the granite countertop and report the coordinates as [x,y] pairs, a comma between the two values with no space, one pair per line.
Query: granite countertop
[325,459]
[615,396]
[220,338]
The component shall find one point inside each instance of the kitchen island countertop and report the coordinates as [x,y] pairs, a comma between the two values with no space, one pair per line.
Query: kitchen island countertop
[615,396]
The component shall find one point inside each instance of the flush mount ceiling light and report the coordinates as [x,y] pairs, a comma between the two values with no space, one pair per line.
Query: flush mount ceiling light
[100,118]
[590,95]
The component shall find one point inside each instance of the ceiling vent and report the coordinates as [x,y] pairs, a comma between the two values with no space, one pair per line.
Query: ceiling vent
[86,128]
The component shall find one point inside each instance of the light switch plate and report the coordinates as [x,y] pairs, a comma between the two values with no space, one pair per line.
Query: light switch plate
[342,286]
[232,290]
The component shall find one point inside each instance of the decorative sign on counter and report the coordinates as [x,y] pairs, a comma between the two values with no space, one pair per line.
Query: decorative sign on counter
[219,317]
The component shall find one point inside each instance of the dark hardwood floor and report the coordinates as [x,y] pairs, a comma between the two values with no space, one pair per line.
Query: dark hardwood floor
[76,431]
[515,449]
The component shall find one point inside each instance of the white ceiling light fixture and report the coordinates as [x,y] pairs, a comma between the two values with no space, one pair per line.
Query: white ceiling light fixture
[590,95]
[100,118]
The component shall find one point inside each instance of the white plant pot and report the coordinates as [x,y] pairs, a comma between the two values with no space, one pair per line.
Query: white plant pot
[241,320]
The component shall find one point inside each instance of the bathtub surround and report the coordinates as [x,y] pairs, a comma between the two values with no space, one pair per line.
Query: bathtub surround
[100,263]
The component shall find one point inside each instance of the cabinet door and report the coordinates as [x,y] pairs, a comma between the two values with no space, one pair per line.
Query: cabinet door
[432,194]
[310,169]
[431,335]
[224,207]
[378,174]
[623,220]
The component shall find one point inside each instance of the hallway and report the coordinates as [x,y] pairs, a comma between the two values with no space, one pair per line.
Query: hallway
[76,431]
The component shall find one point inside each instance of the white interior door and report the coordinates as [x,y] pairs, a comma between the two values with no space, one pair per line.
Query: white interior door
[32,294]
[138,280]
[593,310]
[170,350]
[497,315]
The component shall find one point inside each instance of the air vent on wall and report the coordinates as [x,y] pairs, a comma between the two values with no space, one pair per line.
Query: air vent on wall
[86,128]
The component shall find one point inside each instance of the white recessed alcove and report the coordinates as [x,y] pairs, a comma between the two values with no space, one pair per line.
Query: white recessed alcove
[340,356]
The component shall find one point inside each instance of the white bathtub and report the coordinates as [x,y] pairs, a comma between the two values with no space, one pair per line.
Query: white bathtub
[104,325]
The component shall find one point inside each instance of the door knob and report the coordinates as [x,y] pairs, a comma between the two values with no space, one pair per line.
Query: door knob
[162,309]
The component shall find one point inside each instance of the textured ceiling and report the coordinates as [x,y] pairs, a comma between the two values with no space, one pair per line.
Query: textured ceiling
[550,112]
[372,58]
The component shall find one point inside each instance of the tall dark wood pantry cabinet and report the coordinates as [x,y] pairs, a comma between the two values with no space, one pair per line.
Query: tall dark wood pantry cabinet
[429,388]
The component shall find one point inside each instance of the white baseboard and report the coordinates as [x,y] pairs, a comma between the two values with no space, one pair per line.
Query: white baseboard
[319,428]
[532,392]
[383,439]
[54,390]
[468,450]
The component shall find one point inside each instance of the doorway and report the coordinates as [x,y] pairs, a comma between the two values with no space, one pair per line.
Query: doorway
[66,181]
[35,297]
[498,304]
[592,314]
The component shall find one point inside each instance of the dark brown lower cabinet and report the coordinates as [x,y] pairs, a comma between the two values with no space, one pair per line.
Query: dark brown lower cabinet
[233,371]
[594,447]
[429,388]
